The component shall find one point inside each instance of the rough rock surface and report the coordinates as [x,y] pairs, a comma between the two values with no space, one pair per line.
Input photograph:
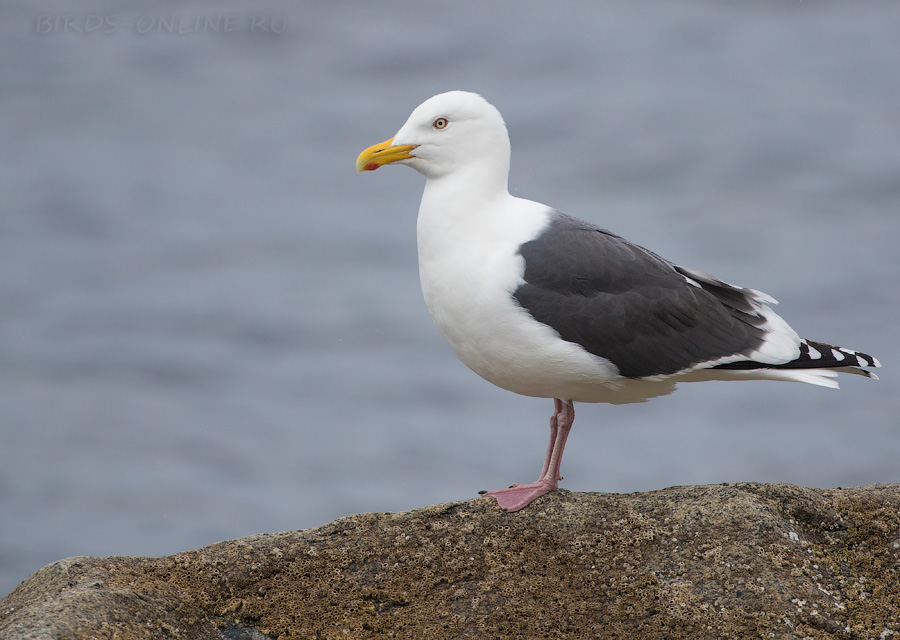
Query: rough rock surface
[724,561]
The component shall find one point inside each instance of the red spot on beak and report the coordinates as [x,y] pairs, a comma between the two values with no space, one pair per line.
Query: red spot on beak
[371,166]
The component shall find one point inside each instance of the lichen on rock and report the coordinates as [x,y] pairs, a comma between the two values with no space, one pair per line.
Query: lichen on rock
[722,561]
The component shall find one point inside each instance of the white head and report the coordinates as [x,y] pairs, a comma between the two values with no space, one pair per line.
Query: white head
[451,133]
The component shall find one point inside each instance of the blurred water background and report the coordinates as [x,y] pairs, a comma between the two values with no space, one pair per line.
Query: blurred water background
[210,326]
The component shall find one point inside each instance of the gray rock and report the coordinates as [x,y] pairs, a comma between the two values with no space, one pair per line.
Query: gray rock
[724,561]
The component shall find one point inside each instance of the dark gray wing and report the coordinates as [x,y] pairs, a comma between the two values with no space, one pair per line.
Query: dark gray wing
[624,303]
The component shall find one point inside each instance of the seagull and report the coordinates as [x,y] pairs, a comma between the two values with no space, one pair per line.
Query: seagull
[546,305]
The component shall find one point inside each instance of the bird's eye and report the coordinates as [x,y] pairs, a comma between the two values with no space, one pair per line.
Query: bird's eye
[440,123]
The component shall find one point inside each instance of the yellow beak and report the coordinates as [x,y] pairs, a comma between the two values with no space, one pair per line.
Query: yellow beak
[381,154]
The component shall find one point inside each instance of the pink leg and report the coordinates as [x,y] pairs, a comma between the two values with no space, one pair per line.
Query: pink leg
[554,430]
[519,496]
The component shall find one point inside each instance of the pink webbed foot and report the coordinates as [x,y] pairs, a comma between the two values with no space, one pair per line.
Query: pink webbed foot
[520,496]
